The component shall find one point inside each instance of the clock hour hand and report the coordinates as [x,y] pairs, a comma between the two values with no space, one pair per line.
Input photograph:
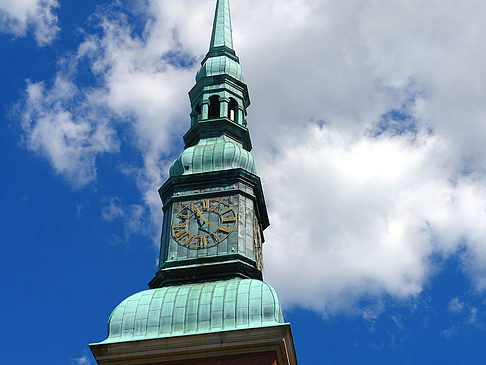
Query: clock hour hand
[204,230]
[199,214]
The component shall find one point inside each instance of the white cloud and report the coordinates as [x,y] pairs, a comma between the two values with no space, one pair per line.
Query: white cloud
[464,314]
[19,16]
[473,315]
[133,217]
[83,360]
[372,212]
[368,122]
[70,133]
[141,87]
[363,215]
[455,306]
[450,332]
[112,211]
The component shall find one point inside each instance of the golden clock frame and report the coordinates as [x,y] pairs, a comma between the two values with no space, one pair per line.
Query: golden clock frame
[228,222]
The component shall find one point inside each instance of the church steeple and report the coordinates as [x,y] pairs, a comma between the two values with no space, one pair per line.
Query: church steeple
[209,288]
[217,155]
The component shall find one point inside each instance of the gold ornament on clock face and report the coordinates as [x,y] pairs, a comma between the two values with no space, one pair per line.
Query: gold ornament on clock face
[204,223]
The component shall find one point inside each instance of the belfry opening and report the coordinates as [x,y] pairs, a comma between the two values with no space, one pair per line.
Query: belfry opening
[232,110]
[214,107]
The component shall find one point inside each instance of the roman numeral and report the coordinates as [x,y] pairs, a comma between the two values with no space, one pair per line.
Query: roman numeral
[229,220]
[225,229]
[190,240]
[215,237]
[203,241]
[205,204]
[181,234]
[179,226]
[225,211]
[215,209]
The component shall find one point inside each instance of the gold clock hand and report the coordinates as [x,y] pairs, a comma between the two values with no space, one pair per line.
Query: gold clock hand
[199,213]
[212,224]
[204,219]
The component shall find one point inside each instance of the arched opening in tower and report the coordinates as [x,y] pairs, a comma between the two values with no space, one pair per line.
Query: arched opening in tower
[214,107]
[233,110]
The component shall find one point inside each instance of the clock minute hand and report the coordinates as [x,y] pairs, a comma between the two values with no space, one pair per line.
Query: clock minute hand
[212,224]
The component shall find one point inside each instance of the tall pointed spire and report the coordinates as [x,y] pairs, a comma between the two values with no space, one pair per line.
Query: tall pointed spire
[222,34]
[220,98]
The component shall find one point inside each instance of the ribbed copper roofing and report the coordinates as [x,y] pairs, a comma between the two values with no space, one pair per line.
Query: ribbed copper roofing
[218,66]
[213,154]
[195,309]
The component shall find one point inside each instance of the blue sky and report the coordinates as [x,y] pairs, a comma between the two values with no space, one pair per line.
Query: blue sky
[368,126]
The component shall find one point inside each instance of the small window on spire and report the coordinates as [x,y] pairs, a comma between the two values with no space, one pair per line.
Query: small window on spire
[214,107]
[198,112]
[233,110]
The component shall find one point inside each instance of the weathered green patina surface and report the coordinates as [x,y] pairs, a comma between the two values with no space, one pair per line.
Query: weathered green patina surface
[220,91]
[218,286]
[213,154]
[194,309]
[222,34]
[220,65]
[214,165]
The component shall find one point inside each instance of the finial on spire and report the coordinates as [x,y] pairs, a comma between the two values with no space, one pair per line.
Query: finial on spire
[222,34]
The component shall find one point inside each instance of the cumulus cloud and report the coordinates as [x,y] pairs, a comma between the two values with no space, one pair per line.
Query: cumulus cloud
[367,121]
[69,132]
[473,316]
[133,217]
[371,150]
[372,213]
[83,360]
[112,210]
[463,314]
[141,80]
[19,16]
[455,306]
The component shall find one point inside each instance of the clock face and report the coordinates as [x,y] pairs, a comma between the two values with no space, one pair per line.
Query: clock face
[204,223]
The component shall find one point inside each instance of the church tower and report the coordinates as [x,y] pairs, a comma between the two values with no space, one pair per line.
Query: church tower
[208,303]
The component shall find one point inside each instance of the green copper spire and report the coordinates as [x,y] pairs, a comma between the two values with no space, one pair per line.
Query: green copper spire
[219,103]
[222,35]
[221,58]
[217,152]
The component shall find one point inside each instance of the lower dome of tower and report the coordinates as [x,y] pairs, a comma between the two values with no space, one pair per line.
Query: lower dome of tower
[195,309]
[218,66]
[213,154]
